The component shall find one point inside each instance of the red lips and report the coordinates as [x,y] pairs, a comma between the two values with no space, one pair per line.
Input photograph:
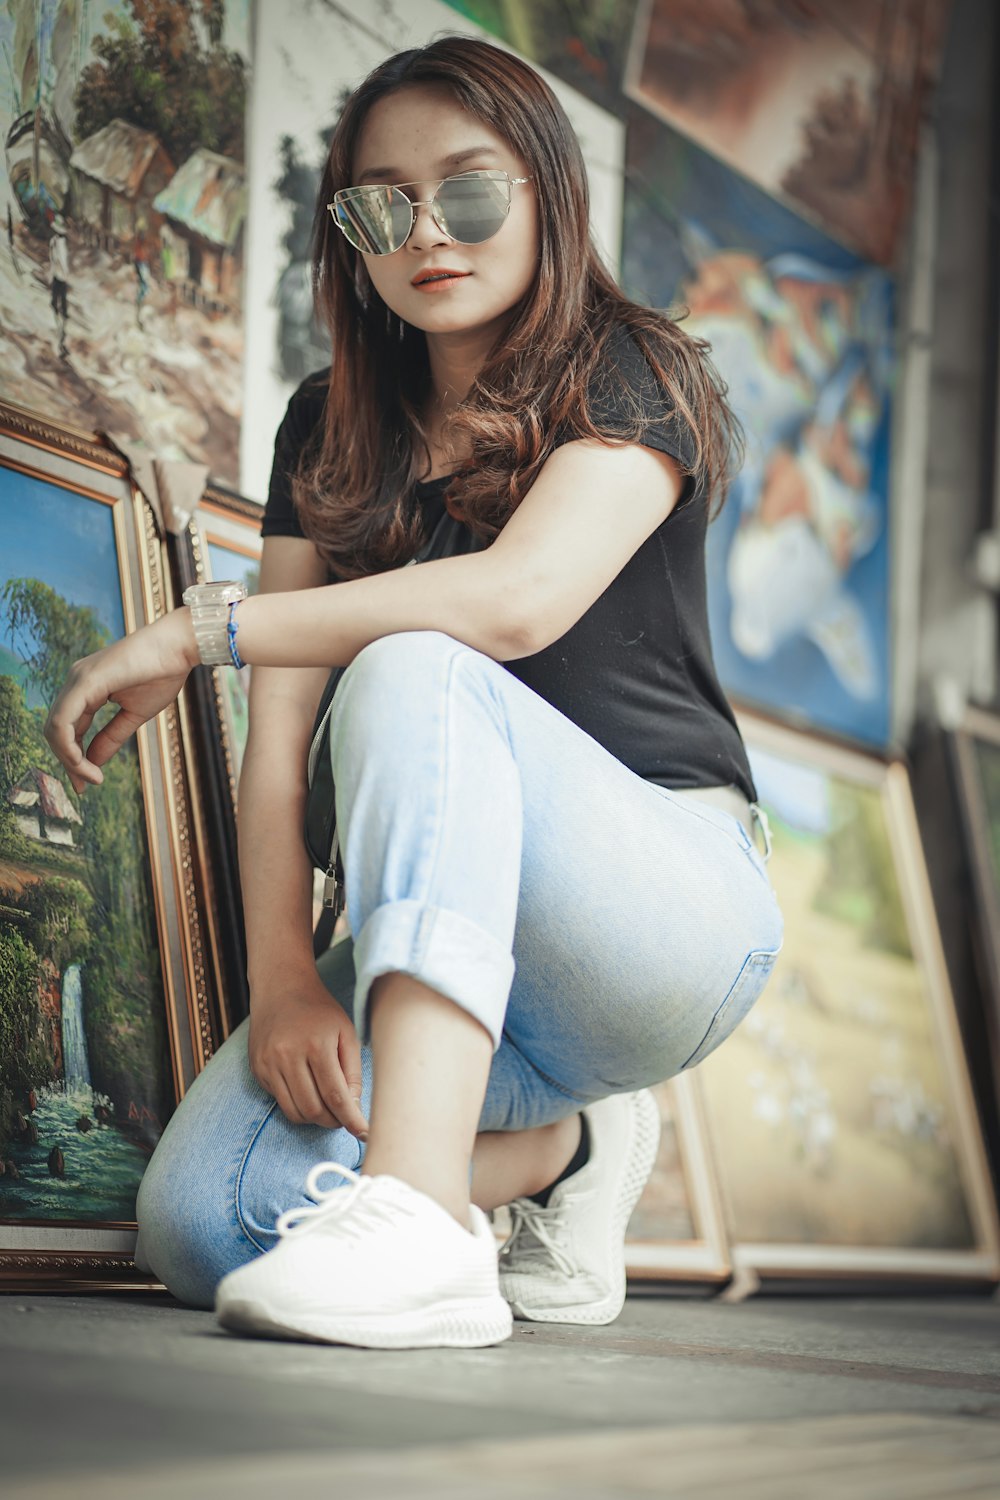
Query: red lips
[437,273]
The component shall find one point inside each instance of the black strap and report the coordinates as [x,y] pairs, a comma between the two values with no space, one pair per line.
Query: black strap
[323,935]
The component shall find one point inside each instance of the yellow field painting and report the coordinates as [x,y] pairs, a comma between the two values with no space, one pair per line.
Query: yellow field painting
[828,1107]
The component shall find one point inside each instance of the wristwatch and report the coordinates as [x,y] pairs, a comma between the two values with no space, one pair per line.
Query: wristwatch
[211,606]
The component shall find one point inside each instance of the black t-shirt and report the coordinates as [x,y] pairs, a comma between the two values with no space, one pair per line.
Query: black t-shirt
[636,670]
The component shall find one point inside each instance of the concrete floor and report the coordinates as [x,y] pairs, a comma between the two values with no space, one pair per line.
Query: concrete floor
[803,1398]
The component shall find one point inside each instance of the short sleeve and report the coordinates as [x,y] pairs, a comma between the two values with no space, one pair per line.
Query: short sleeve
[300,426]
[627,399]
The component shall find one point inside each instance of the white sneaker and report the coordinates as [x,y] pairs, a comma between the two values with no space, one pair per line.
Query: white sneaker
[566,1263]
[377,1264]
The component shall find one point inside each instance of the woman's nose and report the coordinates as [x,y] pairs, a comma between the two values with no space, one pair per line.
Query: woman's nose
[426,230]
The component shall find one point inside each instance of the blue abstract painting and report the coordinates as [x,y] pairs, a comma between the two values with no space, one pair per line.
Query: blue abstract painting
[801,330]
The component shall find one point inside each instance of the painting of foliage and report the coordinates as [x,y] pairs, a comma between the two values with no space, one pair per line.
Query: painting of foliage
[84,1079]
[585,42]
[832,1116]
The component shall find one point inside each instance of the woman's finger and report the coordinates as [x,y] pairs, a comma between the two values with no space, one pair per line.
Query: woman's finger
[70,716]
[283,1098]
[112,736]
[349,1052]
[333,1089]
[307,1099]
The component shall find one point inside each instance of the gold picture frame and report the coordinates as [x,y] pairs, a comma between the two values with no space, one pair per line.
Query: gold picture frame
[82,556]
[224,533]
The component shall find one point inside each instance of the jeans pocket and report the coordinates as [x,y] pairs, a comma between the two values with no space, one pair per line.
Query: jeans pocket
[746,989]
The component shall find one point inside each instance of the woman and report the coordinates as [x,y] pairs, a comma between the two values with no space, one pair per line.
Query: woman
[542,798]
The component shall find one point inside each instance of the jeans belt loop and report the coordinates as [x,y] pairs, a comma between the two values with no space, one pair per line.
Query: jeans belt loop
[731,800]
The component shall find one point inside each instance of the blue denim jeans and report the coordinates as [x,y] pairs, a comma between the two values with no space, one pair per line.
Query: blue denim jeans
[607,932]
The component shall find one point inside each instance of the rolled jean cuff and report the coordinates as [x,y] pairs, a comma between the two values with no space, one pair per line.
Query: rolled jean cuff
[442,949]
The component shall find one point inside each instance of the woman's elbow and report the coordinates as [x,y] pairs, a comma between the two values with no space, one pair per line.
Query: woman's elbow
[525,632]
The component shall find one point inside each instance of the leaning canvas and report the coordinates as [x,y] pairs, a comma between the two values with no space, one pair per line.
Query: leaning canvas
[840,1113]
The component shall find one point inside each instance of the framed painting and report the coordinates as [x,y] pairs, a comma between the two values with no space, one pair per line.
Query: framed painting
[105,997]
[840,1115]
[975,757]
[677,1231]
[587,45]
[802,331]
[123,186]
[222,542]
[820,104]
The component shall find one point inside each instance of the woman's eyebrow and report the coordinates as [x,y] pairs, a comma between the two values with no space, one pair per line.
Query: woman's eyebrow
[384,174]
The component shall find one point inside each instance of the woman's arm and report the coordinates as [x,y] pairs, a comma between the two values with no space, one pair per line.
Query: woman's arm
[303,1046]
[591,507]
[274,868]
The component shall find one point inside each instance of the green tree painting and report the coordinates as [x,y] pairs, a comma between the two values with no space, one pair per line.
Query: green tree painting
[163,73]
[87,904]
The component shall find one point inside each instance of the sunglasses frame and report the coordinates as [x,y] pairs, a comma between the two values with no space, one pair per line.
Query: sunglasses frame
[477,172]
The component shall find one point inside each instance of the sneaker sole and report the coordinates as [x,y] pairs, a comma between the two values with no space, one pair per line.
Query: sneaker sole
[641,1150]
[446,1325]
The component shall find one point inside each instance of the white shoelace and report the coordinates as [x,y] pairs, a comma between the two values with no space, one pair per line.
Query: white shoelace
[532,1237]
[337,1202]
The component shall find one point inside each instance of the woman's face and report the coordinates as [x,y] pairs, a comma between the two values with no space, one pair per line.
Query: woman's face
[417,136]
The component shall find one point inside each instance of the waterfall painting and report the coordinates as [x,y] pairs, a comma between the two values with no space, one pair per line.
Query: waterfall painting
[95,1044]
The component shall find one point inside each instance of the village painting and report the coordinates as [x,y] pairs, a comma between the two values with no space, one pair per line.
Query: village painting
[123,194]
[85,1081]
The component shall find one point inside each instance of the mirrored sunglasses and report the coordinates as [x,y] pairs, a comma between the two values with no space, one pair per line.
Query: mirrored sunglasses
[470,208]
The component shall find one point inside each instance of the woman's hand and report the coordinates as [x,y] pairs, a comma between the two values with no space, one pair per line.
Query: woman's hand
[141,673]
[305,1052]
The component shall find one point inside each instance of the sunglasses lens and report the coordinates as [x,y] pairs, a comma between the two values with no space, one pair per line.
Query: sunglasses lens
[374,219]
[473,208]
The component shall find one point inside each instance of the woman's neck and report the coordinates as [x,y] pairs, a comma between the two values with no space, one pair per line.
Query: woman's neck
[456,359]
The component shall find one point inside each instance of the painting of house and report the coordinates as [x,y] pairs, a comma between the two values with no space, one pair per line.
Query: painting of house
[99,107]
[42,809]
[117,173]
[205,206]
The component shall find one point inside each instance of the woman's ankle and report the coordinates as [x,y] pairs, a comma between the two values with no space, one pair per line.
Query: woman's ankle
[579,1158]
[451,1194]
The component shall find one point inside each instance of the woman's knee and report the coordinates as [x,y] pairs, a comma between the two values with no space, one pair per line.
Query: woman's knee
[183,1233]
[400,658]
[189,1229]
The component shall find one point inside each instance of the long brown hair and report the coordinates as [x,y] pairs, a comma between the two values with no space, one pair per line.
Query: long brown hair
[354,491]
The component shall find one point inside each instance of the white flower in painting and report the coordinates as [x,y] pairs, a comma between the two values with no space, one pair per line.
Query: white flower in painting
[769,1108]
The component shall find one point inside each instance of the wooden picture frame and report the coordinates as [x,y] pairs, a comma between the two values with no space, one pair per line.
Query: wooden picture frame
[974,754]
[225,529]
[840,1114]
[677,1230]
[101,904]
